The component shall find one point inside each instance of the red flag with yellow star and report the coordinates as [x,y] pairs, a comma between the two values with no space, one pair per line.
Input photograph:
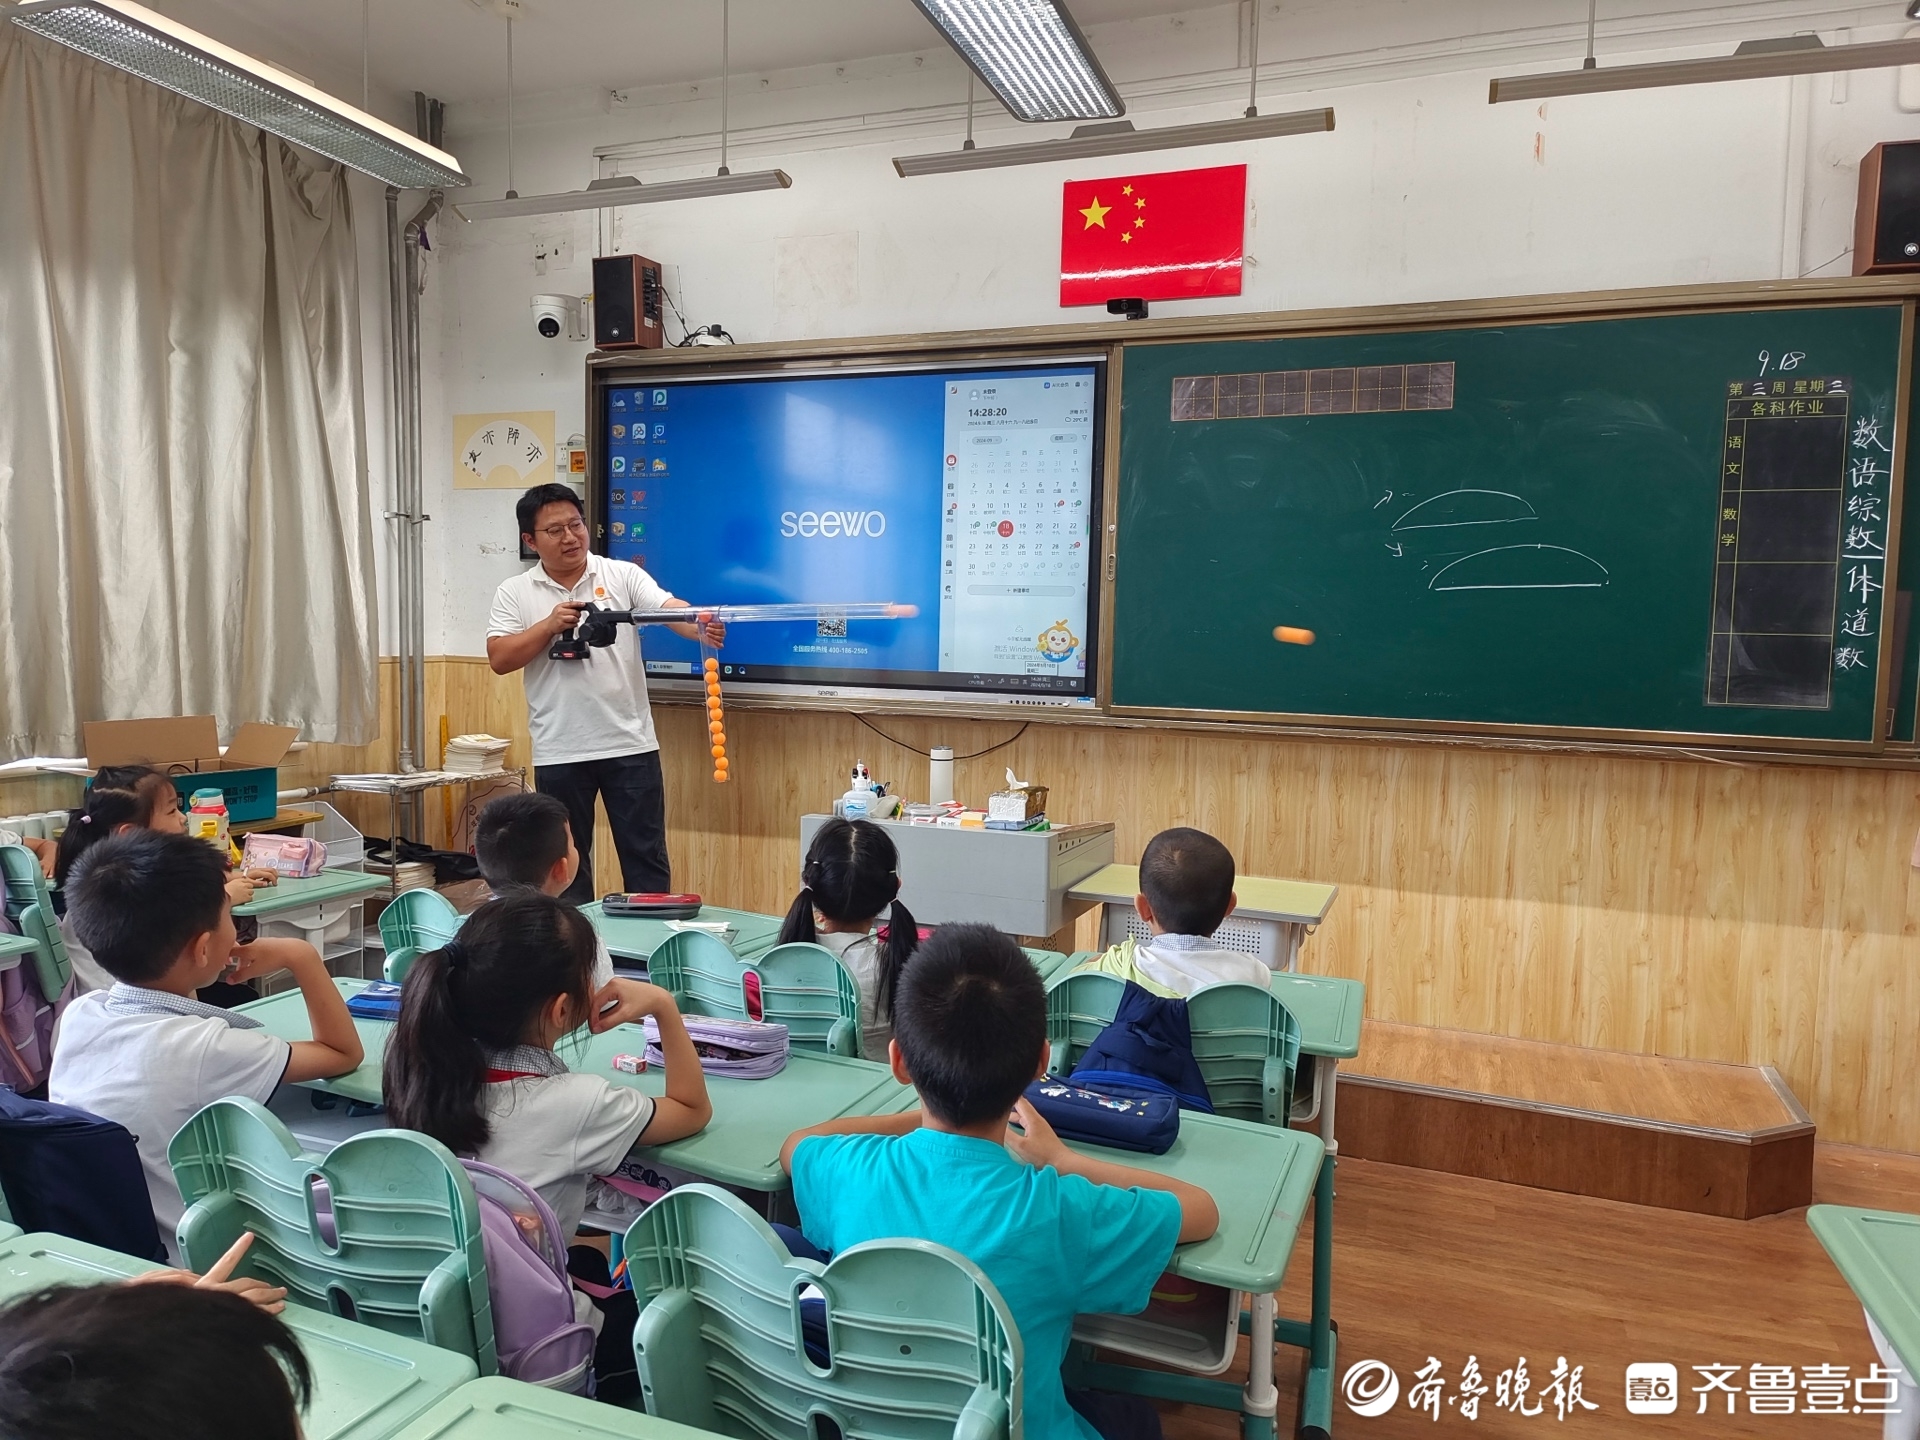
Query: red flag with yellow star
[1170,236]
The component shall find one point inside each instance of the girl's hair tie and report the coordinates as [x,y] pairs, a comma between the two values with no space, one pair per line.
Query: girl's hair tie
[454,954]
[86,819]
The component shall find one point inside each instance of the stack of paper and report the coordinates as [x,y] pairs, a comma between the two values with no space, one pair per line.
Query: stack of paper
[475,754]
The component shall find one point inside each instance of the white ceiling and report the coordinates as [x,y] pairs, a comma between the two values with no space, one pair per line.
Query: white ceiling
[455,49]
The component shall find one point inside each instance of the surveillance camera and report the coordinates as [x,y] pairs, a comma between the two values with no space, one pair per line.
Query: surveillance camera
[554,314]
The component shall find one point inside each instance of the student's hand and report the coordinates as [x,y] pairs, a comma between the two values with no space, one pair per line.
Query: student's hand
[239,889]
[565,616]
[45,851]
[1039,1146]
[714,632]
[270,1298]
[633,1001]
[260,876]
[271,953]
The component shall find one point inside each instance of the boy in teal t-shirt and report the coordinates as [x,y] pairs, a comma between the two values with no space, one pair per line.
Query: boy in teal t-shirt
[1057,1233]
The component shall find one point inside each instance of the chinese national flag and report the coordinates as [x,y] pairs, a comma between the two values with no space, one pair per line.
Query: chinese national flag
[1169,236]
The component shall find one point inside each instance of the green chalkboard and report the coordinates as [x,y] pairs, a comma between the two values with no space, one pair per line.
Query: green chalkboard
[1651,525]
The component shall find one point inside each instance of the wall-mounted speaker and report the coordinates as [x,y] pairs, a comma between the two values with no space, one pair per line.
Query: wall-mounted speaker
[627,303]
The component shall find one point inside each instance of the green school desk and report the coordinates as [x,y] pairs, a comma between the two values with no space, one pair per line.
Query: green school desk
[1877,1253]
[298,894]
[499,1409]
[1261,1177]
[637,939]
[1286,909]
[366,1383]
[751,1118]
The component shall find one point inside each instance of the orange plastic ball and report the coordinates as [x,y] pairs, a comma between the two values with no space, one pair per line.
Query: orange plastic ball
[713,666]
[721,763]
[719,735]
[720,777]
[713,727]
[714,708]
[713,692]
[718,751]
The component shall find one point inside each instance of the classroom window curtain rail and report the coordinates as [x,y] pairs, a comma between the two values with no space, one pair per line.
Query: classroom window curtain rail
[184,519]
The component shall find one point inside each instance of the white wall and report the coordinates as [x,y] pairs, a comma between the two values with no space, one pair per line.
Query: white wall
[1423,192]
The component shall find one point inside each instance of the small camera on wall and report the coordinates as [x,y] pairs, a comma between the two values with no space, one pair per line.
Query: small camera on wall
[557,315]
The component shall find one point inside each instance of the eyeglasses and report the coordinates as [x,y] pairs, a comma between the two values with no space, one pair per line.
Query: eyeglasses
[560,532]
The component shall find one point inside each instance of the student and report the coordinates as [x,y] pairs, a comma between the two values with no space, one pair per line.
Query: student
[472,1063]
[1057,1233]
[525,840]
[849,878]
[148,1362]
[123,798]
[1186,883]
[154,912]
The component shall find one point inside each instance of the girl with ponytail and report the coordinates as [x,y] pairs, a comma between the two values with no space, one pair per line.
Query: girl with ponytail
[849,880]
[472,1060]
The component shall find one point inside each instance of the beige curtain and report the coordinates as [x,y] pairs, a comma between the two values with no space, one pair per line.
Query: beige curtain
[184,521]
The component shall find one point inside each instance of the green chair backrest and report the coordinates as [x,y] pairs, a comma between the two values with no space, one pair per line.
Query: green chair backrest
[30,906]
[1246,1042]
[394,968]
[384,1230]
[920,1344]
[419,919]
[804,987]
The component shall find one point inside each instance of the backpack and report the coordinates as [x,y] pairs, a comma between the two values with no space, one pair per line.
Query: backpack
[26,1023]
[72,1173]
[535,1335]
[1146,1050]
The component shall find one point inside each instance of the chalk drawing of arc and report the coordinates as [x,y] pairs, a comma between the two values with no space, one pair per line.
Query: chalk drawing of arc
[1522,567]
[1466,507]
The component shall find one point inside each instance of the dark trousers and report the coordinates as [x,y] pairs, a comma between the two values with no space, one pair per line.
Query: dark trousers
[636,811]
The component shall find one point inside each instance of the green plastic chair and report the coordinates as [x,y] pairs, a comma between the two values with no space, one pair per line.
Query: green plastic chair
[1246,1042]
[383,1230]
[30,907]
[803,987]
[920,1344]
[418,919]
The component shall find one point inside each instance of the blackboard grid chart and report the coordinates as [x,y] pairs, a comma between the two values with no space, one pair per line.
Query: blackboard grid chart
[1336,390]
[1778,551]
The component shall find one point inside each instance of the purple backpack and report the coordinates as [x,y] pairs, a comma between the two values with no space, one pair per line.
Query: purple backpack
[535,1335]
[26,1023]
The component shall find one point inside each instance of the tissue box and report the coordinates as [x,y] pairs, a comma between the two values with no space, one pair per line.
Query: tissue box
[1021,805]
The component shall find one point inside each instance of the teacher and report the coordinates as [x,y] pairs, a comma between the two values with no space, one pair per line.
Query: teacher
[591,724]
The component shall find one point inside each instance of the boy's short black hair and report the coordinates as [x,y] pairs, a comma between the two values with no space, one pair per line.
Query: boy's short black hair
[138,899]
[970,1014]
[1187,877]
[518,839]
[527,509]
[148,1362]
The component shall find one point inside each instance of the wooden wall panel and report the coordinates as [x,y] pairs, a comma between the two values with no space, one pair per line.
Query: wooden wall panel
[1751,913]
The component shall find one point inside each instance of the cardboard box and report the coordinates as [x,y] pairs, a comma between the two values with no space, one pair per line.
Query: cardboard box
[187,747]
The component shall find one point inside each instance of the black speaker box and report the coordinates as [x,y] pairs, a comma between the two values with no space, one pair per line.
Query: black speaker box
[1886,221]
[627,303]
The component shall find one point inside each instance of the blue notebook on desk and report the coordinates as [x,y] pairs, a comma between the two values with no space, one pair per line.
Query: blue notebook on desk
[379,1001]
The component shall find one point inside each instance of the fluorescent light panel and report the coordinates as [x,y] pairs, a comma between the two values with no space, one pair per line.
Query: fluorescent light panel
[1756,64]
[620,190]
[1091,142]
[1031,55]
[133,39]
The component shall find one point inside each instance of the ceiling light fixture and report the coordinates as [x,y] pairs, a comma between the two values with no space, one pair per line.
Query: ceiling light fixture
[135,40]
[1752,60]
[1094,141]
[1030,54]
[618,190]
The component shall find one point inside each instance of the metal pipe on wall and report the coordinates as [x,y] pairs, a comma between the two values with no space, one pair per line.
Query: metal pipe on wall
[406,583]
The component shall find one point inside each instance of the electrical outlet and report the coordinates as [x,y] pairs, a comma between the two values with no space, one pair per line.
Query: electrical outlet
[552,252]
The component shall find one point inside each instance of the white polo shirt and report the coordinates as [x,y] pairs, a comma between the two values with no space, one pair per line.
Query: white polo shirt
[592,709]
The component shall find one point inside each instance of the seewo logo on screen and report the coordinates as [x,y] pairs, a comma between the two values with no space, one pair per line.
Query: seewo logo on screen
[832,524]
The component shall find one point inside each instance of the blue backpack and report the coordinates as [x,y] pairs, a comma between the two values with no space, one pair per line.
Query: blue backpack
[74,1174]
[1147,1050]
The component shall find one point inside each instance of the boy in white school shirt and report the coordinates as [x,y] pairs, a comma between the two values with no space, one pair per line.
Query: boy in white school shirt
[1186,884]
[145,1053]
[524,841]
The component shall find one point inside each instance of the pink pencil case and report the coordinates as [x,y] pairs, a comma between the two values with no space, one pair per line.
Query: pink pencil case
[288,856]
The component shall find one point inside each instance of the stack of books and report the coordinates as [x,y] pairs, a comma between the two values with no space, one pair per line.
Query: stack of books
[475,755]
